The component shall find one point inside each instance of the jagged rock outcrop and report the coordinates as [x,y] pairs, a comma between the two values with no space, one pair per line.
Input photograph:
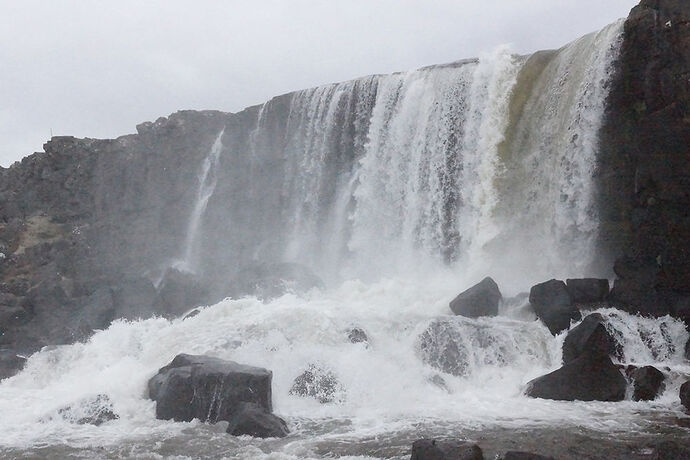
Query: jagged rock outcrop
[644,179]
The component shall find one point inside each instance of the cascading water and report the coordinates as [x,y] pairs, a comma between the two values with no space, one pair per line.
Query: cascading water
[207,183]
[408,187]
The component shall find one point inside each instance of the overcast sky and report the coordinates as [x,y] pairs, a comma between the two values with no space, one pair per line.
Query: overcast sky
[98,68]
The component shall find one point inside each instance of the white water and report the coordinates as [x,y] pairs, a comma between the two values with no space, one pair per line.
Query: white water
[386,385]
[385,179]
[207,184]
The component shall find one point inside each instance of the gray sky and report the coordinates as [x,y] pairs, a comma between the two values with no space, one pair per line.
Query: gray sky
[98,68]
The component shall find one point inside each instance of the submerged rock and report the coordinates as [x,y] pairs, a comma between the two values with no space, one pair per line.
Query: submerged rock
[482,299]
[589,377]
[590,335]
[253,420]
[91,411]
[553,305]
[448,449]
[648,383]
[318,383]
[440,348]
[357,335]
[587,290]
[208,389]
[685,394]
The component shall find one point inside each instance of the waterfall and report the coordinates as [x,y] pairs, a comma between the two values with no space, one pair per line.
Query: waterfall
[483,164]
[400,191]
[207,183]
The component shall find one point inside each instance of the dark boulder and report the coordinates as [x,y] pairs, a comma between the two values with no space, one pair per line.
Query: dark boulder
[357,335]
[178,292]
[553,305]
[687,350]
[669,450]
[482,299]
[587,290]
[515,455]
[449,449]
[90,411]
[10,363]
[253,420]
[441,348]
[648,383]
[271,280]
[318,383]
[590,335]
[685,394]
[589,377]
[208,389]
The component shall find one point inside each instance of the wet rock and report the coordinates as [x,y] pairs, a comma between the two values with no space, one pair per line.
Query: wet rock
[553,305]
[90,411]
[440,348]
[687,350]
[648,383]
[515,455]
[669,450]
[10,363]
[587,290]
[357,335]
[482,299]
[589,377]
[318,383]
[178,292]
[253,420]
[448,449]
[590,335]
[206,388]
[268,281]
[685,395]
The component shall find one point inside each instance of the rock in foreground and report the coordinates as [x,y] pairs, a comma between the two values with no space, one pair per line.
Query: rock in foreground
[253,420]
[432,449]
[480,300]
[208,389]
[553,305]
[590,377]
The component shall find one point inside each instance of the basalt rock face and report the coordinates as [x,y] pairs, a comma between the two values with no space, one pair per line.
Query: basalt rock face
[85,226]
[644,179]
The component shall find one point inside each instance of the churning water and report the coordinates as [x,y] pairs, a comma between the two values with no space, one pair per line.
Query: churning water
[400,191]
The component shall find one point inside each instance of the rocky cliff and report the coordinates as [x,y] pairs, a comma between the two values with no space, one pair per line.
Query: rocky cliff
[89,228]
[644,182]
